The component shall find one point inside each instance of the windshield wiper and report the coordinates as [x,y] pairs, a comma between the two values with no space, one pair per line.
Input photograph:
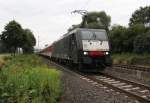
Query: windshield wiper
[94,36]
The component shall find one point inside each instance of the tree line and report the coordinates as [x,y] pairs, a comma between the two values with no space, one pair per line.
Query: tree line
[132,39]
[14,37]
[136,37]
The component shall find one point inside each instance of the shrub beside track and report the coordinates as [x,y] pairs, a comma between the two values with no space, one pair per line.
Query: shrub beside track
[131,59]
[3,59]
[26,79]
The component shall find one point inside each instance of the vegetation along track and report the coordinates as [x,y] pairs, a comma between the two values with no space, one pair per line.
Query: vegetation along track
[131,89]
[132,67]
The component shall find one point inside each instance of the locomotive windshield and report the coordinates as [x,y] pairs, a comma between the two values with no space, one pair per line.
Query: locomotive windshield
[94,35]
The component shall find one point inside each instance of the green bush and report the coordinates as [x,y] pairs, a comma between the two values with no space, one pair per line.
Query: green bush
[141,60]
[3,59]
[26,79]
[134,59]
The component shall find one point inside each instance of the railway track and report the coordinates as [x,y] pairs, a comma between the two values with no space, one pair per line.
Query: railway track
[132,67]
[136,91]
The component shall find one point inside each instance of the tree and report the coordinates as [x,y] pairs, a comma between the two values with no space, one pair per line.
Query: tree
[97,20]
[141,16]
[117,38]
[142,44]
[123,39]
[2,47]
[132,39]
[13,36]
[131,33]
[94,20]
[30,41]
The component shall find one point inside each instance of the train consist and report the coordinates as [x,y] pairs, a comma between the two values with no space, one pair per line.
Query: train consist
[88,49]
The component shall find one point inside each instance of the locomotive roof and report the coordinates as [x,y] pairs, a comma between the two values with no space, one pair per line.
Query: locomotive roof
[80,29]
[75,30]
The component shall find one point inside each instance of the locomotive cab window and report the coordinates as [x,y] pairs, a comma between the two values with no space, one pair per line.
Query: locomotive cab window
[86,35]
[101,35]
[92,35]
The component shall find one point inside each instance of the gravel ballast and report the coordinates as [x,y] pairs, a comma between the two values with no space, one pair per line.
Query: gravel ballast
[77,89]
[129,74]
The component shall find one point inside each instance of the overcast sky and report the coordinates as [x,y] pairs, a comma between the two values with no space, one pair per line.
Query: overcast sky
[49,19]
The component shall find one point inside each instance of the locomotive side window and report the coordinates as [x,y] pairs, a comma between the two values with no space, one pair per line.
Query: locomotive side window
[73,40]
[72,45]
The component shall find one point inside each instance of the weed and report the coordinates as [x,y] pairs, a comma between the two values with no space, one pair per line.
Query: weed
[135,59]
[26,79]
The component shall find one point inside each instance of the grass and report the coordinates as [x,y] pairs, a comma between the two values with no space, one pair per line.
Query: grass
[128,58]
[3,59]
[26,79]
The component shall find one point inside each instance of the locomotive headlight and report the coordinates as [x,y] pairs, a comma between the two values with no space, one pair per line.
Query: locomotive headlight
[107,53]
[85,53]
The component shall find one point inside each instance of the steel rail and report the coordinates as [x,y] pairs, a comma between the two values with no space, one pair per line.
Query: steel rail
[128,93]
[133,67]
[137,97]
[128,81]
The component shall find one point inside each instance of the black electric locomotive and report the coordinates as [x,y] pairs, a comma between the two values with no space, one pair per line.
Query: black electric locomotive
[84,48]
